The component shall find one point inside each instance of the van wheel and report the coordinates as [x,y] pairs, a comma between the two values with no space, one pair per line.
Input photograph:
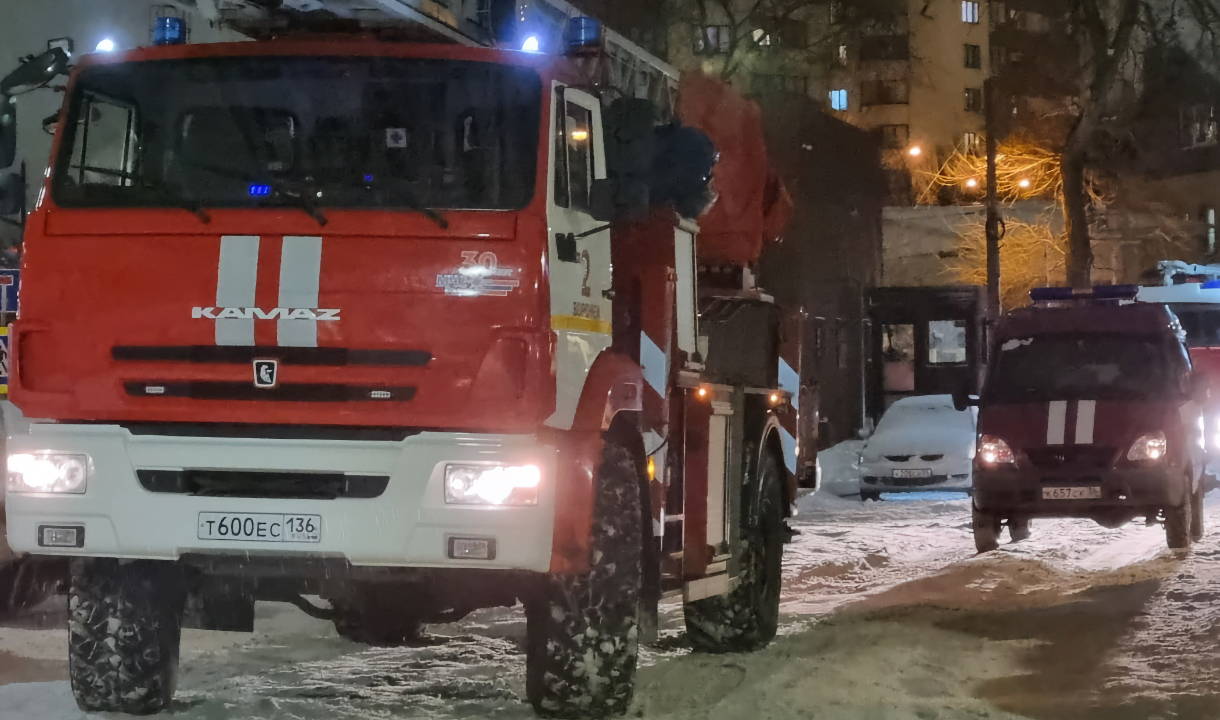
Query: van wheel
[1177,521]
[582,631]
[1018,528]
[747,618]
[125,623]
[866,495]
[986,530]
[1196,515]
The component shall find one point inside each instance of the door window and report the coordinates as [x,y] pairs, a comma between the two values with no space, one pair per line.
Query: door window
[574,157]
[946,342]
[105,149]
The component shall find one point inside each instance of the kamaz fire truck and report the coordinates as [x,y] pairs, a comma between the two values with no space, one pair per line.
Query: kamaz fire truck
[382,309]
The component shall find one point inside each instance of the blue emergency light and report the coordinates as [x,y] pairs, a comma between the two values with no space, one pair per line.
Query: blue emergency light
[260,190]
[1101,292]
[1210,285]
[168,30]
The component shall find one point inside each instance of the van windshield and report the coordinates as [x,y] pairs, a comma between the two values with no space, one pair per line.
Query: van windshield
[271,131]
[1093,367]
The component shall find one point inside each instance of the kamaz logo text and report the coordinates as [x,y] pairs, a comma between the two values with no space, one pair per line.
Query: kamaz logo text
[232,313]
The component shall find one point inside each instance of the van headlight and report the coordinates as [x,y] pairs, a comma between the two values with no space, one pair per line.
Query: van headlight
[47,473]
[1148,448]
[492,484]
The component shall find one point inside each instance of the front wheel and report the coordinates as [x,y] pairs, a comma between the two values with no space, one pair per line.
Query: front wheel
[582,632]
[1177,521]
[1196,506]
[125,623]
[747,618]
[1018,528]
[986,530]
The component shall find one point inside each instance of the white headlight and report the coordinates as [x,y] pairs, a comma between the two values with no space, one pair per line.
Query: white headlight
[1148,448]
[47,473]
[492,484]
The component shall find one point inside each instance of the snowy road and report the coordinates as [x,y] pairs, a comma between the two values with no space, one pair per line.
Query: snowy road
[888,613]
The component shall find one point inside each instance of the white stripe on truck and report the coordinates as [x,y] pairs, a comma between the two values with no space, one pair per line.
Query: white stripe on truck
[1056,422]
[236,276]
[300,273]
[1086,411]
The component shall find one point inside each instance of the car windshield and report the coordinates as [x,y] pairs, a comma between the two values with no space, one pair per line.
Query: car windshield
[341,132]
[1067,367]
[903,415]
[1201,323]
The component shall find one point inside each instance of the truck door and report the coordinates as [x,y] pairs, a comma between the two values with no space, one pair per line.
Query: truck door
[579,266]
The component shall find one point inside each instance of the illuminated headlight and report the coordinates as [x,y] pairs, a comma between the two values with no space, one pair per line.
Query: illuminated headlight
[47,473]
[994,451]
[492,484]
[1149,448]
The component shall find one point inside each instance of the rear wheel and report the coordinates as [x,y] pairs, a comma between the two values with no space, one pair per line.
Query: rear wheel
[582,632]
[1196,516]
[986,530]
[125,623]
[747,618]
[1177,521]
[866,495]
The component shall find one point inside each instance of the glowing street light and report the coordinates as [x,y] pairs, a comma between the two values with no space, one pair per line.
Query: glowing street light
[531,44]
[915,151]
[971,182]
[106,45]
[1024,182]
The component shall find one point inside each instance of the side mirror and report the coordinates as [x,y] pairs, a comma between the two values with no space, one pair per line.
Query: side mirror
[8,131]
[963,401]
[35,71]
[12,194]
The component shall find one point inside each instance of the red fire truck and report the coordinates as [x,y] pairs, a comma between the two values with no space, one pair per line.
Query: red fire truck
[411,326]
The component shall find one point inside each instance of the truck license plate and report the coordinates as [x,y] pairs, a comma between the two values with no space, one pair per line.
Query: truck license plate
[1071,493]
[920,473]
[260,527]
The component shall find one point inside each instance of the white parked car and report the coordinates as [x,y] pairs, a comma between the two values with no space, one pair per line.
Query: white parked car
[922,443]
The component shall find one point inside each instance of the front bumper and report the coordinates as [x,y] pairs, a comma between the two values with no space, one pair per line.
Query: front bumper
[945,474]
[1020,490]
[408,525]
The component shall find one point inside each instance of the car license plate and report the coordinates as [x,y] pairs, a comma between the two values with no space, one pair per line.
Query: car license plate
[920,473]
[260,527]
[1071,493]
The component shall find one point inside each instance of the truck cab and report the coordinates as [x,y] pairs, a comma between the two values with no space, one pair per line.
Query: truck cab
[1090,409]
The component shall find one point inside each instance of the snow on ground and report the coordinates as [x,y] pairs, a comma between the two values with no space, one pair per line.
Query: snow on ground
[887,613]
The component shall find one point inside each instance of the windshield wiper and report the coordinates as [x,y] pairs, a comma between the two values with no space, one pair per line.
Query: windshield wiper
[280,189]
[413,203]
[164,191]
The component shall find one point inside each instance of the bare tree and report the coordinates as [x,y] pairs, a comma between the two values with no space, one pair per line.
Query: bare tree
[1115,38]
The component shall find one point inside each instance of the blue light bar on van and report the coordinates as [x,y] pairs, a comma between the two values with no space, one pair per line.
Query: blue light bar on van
[1211,285]
[1102,292]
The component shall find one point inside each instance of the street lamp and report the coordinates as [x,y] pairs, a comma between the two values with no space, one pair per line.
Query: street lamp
[106,45]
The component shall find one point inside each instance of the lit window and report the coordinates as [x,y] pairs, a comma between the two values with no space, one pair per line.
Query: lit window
[843,55]
[970,12]
[1207,215]
[838,99]
[972,143]
[712,39]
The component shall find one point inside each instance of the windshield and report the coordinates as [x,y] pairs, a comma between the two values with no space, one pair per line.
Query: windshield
[1095,367]
[356,133]
[1201,323]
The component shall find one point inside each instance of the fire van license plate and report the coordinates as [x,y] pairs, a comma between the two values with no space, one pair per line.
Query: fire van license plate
[260,527]
[920,473]
[1071,493]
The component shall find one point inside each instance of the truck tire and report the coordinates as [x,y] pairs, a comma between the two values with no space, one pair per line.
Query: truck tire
[1177,521]
[23,584]
[1018,529]
[1196,516]
[582,632]
[747,618]
[986,530]
[376,616]
[866,495]
[125,623]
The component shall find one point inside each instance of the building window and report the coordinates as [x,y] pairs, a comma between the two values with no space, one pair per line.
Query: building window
[884,47]
[838,99]
[713,39]
[883,92]
[972,143]
[1199,126]
[780,84]
[1032,22]
[895,137]
[974,100]
[970,12]
[841,58]
[974,57]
